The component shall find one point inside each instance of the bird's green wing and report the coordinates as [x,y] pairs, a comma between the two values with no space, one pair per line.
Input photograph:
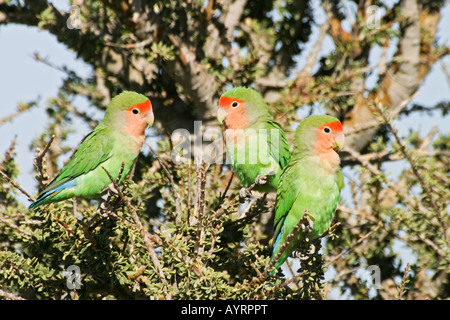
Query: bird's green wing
[95,149]
[340,180]
[278,144]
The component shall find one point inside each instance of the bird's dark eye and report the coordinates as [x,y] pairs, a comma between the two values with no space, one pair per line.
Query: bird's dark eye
[326,130]
[135,111]
[235,104]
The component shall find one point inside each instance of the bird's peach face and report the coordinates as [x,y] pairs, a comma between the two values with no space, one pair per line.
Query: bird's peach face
[231,112]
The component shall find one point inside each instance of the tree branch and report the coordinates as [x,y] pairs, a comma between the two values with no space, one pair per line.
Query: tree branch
[404,75]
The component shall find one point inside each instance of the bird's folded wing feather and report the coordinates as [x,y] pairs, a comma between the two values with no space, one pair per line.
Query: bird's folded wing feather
[94,150]
[287,192]
[278,145]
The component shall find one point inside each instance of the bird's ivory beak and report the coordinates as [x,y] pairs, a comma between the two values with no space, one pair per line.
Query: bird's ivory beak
[221,114]
[339,141]
[150,118]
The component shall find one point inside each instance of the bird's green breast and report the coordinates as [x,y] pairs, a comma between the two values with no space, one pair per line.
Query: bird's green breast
[319,193]
[249,153]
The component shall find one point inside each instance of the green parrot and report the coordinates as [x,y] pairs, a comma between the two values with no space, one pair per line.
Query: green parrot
[118,138]
[311,180]
[255,143]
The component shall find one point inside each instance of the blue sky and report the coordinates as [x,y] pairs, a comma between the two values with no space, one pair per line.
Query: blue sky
[23,79]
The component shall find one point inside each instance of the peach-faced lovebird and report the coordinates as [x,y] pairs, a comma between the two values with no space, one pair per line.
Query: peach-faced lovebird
[118,138]
[255,143]
[311,180]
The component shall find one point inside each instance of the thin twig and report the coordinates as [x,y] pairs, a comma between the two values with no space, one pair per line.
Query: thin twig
[37,57]
[9,295]
[17,186]
[425,240]
[105,210]
[428,138]
[163,163]
[21,109]
[402,287]
[165,166]
[395,111]
[360,240]
[46,148]
[64,225]
[445,69]
[306,220]
[188,213]
[13,226]
[374,170]
[200,205]
[408,157]
[385,156]
[136,45]
[245,217]
[40,157]
[228,186]
[236,198]
[144,233]
[8,153]
[284,284]
[414,169]
[314,53]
